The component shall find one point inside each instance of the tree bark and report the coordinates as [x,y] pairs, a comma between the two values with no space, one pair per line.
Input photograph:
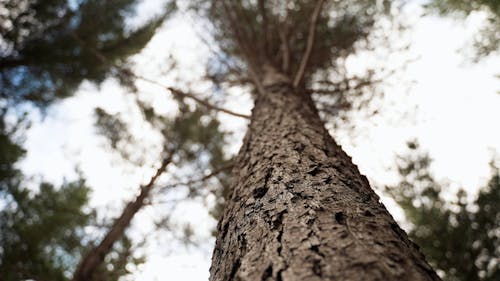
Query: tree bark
[300,209]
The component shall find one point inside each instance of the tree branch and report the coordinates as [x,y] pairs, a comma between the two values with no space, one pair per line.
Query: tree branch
[202,179]
[174,91]
[183,94]
[283,33]
[310,43]
[265,27]
[247,53]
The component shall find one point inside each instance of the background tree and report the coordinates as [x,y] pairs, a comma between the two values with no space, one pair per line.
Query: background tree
[43,230]
[47,47]
[191,139]
[487,42]
[459,237]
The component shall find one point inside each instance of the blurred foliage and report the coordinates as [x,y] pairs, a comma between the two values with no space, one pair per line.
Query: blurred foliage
[43,229]
[47,48]
[111,127]
[488,40]
[249,30]
[459,238]
[250,35]
[195,138]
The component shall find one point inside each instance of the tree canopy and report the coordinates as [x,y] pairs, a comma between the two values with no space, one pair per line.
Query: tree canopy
[487,41]
[44,229]
[254,37]
[459,237]
[49,47]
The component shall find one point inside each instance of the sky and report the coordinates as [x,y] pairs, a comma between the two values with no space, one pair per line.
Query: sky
[452,107]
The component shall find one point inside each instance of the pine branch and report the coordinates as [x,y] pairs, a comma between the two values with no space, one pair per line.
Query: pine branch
[243,44]
[310,43]
[283,33]
[202,179]
[183,94]
[177,92]
[265,27]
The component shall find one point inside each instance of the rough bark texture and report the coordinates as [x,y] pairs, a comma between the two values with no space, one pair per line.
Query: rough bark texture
[300,209]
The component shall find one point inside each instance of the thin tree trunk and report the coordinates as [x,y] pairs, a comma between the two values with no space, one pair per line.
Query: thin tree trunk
[90,262]
[300,209]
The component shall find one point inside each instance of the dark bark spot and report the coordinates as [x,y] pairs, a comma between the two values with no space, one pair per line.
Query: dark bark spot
[243,242]
[278,222]
[347,182]
[300,195]
[260,192]
[280,246]
[327,152]
[364,180]
[327,180]
[366,198]
[340,218]
[292,183]
[395,257]
[398,231]
[224,230]
[267,273]
[368,213]
[279,276]
[317,267]
[234,269]
[371,226]
[315,249]
[315,171]
[277,180]
[299,147]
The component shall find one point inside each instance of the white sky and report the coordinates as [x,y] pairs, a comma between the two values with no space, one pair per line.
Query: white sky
[454,108]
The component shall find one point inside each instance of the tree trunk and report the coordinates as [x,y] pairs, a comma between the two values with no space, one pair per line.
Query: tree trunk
[93,259]
[299,208]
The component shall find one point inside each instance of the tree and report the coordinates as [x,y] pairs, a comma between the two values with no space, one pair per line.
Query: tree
[186,138]
[43,233]
[462,238]
[47,47]
[298,207]
[487,42]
